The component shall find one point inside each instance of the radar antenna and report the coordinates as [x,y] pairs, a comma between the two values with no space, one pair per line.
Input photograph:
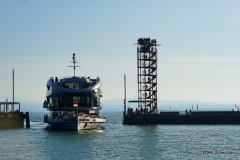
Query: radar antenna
[74,61]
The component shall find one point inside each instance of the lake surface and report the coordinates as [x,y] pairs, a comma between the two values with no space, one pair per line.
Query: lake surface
[118,141]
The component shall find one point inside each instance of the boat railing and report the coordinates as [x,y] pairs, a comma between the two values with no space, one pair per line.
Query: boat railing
[60,78]
[91,116]
[70,77]
[94,116]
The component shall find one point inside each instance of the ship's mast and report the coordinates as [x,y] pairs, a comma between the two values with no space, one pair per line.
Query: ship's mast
[74,62]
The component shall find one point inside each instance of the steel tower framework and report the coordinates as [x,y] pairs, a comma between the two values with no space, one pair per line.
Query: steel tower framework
[147,73]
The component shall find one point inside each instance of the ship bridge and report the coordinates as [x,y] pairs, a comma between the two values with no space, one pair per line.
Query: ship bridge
[73,93]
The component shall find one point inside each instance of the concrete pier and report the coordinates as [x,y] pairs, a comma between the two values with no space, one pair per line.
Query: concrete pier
[13,118]
[175,118]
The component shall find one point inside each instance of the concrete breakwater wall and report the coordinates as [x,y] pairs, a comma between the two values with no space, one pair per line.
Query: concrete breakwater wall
[224,117]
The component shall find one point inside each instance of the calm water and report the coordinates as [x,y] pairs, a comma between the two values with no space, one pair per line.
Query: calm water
[119,141]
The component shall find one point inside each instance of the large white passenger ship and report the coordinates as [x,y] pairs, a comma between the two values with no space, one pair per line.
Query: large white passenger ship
[73,102]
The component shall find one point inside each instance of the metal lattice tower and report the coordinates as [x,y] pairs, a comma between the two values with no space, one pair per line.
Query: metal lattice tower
[147,73]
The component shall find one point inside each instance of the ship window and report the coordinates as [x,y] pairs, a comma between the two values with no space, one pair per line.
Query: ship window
[54,101]
[76,85]
[64,101]
[85,85]
[72,85]
[95,102]
[50,98]
[60,101]
[55,91]
[88,101]
[69,101]
[92,102]
[83,99]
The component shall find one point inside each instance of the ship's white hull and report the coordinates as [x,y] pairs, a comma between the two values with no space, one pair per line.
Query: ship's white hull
[88,126]
[75,124]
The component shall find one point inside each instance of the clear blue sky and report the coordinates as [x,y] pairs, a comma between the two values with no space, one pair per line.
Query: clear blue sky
[199,58]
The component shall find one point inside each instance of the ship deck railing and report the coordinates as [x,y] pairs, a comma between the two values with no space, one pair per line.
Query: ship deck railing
[48,118]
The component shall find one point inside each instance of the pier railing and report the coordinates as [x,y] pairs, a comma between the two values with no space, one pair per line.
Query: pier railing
[130,111]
